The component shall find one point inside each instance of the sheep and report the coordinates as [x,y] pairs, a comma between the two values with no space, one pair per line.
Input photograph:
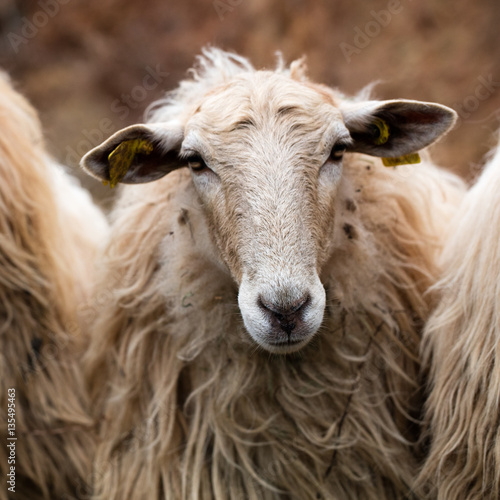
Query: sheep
[460,350]
[50,232]
[260,333]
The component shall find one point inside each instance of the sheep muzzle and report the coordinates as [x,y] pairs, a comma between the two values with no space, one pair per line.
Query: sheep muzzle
[282,319]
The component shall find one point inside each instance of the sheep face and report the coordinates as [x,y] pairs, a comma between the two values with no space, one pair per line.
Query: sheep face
[265,152]
[267,172]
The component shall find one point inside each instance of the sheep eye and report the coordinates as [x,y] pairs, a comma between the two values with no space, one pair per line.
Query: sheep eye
[197,164]
[338,151]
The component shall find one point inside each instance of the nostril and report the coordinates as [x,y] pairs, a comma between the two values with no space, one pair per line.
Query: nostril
[285,311]
[301,304]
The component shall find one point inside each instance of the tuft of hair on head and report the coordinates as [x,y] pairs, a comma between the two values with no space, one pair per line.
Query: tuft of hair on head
[298,69]
[211,68]
[367,92]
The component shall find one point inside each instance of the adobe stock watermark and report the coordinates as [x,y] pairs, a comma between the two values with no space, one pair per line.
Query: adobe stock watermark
[122,107]
[31,27]
[11,439]
[484,89]
[223,7]
[363,36]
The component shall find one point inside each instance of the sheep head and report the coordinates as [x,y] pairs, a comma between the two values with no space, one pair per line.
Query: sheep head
[265,153]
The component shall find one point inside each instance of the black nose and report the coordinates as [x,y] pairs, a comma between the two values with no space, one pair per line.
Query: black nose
[287,316]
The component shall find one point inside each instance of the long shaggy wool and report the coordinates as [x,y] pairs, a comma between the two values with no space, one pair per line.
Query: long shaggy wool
[190,408]
[462,353]
[47,246]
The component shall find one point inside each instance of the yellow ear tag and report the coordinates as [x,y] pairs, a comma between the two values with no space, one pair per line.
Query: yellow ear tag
[401,160]
[383,130]
[122,157]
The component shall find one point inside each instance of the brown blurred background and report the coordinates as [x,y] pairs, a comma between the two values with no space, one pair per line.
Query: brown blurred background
[85,63]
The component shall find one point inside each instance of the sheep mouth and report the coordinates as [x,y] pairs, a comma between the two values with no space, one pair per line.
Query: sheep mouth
[285,346]
[285,343]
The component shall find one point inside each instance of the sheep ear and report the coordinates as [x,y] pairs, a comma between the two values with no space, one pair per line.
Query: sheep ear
[136,154]
[395,128]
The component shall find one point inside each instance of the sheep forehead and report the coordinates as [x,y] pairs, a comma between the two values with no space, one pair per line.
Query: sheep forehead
[265,111]
[259,96]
